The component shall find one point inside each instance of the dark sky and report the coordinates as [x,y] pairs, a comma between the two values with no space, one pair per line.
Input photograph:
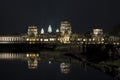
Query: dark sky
[17,15]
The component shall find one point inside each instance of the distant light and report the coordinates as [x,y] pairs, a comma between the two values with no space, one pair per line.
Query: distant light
[118,43]
[27,39]
[37,39]
[52,39]
[41,39]
[102,39]
[102,42]
[49,62]
[84,39]
[46,40]
[27,55]
[90,40]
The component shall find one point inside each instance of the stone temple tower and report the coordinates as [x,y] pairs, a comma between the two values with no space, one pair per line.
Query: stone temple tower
[32,33]
[65,30]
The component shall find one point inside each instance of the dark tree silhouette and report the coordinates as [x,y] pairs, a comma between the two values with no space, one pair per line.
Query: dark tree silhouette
[116,30]
[87,34]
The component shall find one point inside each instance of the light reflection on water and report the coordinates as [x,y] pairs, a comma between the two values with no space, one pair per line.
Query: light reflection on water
[31,58]
[61,67]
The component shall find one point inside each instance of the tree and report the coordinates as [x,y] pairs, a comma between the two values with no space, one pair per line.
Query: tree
[74,37]
[116,30]
[87,34]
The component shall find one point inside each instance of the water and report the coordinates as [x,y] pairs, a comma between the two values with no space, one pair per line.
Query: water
[36,66]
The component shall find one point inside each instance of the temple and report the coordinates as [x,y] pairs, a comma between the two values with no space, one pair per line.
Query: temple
[62,35]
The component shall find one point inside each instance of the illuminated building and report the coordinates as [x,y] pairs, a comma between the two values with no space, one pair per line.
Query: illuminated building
[65,30]
[32,34]
[98,35]
[97,32]
[11,39]
[32,31]
[62,35]
[48,38]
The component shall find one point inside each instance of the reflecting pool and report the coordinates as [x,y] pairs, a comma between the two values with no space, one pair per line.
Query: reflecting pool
[37,66]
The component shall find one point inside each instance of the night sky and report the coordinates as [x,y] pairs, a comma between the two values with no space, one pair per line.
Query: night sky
[17,15]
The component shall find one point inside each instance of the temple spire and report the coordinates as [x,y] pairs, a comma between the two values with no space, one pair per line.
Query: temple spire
[49,29]
[42,31]
[57,30]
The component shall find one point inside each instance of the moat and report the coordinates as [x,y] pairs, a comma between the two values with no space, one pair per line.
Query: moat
[64,62]
[35,66]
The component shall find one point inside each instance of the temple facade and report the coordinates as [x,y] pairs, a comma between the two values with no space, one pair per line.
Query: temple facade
[62,35]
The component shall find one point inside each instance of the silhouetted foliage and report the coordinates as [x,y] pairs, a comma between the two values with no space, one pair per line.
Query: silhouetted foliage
[74,37]
[116,30]
[87,34]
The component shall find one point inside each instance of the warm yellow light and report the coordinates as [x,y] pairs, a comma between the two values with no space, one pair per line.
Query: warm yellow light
[41,39]
[27,39]
[93,39]
[84,39]
[89,39]
[114,43]
[46,40]
[102,42]
[102,39]
[52,39]
[118,43]
[37,39]
[27,55]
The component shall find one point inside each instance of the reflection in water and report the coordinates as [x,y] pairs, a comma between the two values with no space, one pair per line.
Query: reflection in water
[31,58]
[34,58]
[56,64]
[50,62]
[12,56]
[65,68]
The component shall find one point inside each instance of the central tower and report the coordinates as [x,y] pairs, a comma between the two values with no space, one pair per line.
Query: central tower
[65,30]
[32,33]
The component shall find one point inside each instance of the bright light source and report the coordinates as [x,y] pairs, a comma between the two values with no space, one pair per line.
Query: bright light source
[84,39]
[49,62]
[27,39]
[89,39]
[45,39]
